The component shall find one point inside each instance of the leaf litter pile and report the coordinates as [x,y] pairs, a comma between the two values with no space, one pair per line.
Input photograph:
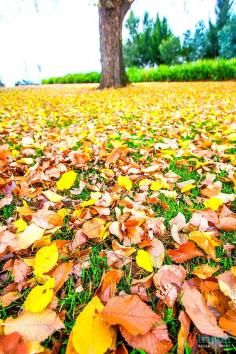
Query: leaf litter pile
[117,218]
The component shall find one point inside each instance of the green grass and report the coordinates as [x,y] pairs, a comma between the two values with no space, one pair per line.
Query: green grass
[216,70]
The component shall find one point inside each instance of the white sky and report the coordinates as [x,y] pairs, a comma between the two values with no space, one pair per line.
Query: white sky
[63,36]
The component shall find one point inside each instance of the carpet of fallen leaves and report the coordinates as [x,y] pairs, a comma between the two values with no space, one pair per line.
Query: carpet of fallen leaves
[117,219]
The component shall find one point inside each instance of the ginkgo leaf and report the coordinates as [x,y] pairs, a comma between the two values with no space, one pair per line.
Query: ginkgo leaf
[31,234]
[205,271]
[155,341]
[34,326]
[144,260]
[39,297]
[125,182]
[67,180]
[52,196]
[131,313]
[91,334]
[199,313]
[45,259]
[206,241]
[185,252]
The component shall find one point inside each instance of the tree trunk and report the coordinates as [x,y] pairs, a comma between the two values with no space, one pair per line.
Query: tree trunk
[111,15]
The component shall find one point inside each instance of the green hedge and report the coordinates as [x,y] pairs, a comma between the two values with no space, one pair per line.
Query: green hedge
[215,70]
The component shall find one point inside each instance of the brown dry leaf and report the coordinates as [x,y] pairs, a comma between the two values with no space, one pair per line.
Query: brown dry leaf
[125,250]
[109,281]
[185,252]
[20,270]
[177,224]
[155,341]
[206,241]
[34,326]
[228,322]
[227,223]
[5,201]
[79,240]
[205,271]
[61,274]
[121,349]
[216,301]
[47,219]
[12,343]
[168,280]
[7,239]
[199,313]
[130,312]
[183,332]
[227,284]
[93,228]
[8,298]
[157,252]
[212,190]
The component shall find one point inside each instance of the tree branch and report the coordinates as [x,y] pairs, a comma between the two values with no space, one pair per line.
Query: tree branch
[125,6]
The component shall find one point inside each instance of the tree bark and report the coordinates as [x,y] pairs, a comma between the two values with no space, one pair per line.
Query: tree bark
[111,16]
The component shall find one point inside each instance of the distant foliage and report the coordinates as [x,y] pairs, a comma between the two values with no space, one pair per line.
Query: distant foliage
[215,70]
[152,43]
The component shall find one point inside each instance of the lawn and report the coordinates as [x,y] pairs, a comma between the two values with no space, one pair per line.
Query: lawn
[118,218]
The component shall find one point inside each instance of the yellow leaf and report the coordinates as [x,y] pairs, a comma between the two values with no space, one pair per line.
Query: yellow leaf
[52,196]
[63,212]
[39,297]
[213,203]
[31,234]
[187,188]
[144,182]
[125,182]
[144,260]
[156,185]
[206,241]
[26,161]
[20,224]
[91,334]
[204,271]
[88,202]
[66,181]
[45,259]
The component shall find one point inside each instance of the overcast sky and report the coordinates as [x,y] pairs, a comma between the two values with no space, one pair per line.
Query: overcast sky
[62,36]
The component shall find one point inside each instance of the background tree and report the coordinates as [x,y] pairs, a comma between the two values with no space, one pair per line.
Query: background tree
[111,16]
[170,50]
[227,39]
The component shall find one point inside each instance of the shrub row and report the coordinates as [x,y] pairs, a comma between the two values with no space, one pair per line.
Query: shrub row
[215,70]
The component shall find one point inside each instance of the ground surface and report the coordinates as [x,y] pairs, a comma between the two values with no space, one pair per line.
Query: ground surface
[163,233]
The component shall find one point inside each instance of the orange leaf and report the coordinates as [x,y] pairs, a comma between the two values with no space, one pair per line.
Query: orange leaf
[228,322]
[199,313]
[183,332]
[153,342]
[108,287]
[185,252]
[12,343]
[227,284]
[61,274]
[130,312]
